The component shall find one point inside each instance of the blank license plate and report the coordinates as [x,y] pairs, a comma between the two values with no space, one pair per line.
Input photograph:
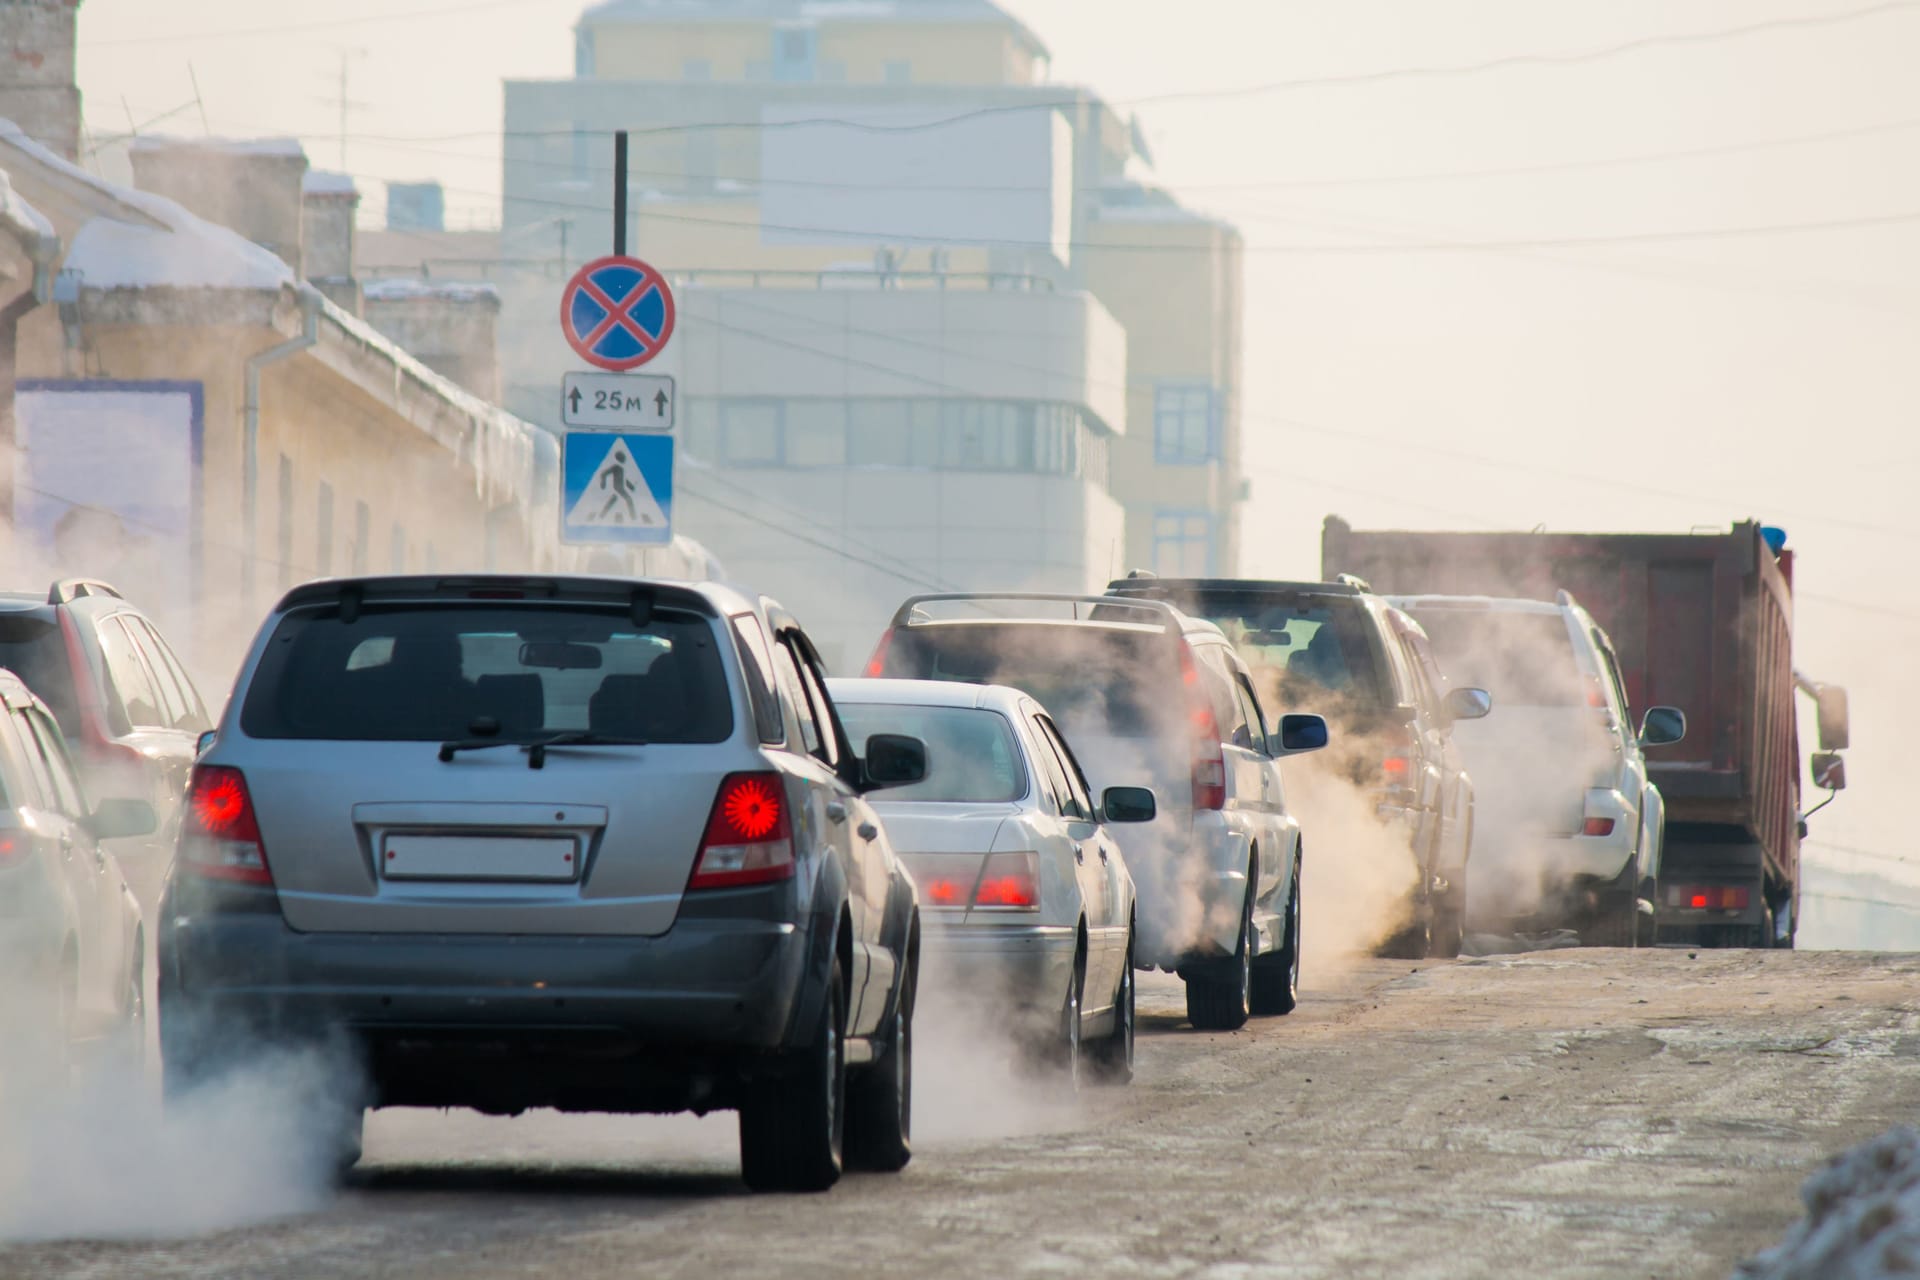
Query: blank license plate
[478,858]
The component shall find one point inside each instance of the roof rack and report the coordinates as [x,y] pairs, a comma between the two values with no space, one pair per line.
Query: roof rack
[67,590]
[1357,583]
[1564,598]
[912,612]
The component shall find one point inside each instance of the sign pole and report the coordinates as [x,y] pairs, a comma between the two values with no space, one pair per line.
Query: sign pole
[620,193]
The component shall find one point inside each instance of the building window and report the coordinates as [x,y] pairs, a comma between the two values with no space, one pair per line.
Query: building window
[897,71]
[1183,415]
[696,69]
[323,531]
[1182,544]
[794,52]
[750,433]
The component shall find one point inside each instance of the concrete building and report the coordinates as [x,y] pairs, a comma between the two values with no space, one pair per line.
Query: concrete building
[907,268]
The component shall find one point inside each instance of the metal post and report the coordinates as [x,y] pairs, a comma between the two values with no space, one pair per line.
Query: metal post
[620,193]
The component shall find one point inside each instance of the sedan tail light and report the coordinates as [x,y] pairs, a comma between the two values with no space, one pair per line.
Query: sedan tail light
[219,831]
[1009,882]
[1597,827]
[877,664]
[749,838]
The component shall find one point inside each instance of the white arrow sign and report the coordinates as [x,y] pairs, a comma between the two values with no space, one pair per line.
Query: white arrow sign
[624,401]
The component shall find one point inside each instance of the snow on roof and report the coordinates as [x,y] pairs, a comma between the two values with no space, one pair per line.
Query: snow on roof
[398,288]
[22,219]
[11,135]
[289,148]
[968,11]
[324,182]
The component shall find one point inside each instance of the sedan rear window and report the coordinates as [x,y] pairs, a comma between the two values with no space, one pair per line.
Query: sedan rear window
[971,754]
[33,649]
[1522,659]
[433,673]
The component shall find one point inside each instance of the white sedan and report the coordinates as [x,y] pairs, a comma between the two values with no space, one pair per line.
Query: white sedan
[1023,892]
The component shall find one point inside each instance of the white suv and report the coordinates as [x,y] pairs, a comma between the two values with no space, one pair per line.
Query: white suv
[1567,829]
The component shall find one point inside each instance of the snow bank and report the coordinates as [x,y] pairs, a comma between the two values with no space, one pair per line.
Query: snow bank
[324,182]
[1863,1218]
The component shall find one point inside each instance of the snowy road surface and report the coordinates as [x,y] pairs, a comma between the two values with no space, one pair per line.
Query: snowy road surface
[1568,1113]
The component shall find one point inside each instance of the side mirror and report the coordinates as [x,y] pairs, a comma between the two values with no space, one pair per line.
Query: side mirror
[113,819]
[1830,707]
[1300,734]
[205,740]
[1128,804]
[1468,704]
[1662,726]
[894,760]
[1829,771]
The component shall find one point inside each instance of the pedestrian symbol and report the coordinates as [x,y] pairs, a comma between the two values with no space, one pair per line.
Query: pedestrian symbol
[617,488]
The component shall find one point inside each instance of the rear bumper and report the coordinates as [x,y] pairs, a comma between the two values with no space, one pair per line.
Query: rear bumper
[1019,968]
[498,1022]
[1190,904]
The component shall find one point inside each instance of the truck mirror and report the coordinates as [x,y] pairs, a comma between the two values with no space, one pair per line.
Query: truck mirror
[1662,726]
[1830,703]
[1829,771]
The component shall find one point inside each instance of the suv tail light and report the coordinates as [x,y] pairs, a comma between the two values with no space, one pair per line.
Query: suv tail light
[1209,762]
[749,837]
[1010,882]
[219,832]
[1396,766]
[877,664]
[1597,827]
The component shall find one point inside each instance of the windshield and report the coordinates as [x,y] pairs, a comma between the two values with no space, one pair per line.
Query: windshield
[1522,659]
[971,755]
[1309,648]
[437,672]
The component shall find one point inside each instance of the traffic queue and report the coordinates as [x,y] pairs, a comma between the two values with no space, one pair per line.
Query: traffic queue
[620,845]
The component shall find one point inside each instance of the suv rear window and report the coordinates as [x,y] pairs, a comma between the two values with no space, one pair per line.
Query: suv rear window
[1522,659]
[1091,678]
[431,673]
[33,649]
[1311,644]
[971,756]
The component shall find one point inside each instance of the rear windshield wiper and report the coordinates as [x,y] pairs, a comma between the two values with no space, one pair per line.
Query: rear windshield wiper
[537,748]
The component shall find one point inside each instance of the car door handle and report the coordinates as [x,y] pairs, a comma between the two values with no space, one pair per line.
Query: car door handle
[836,811]
[1103,853]
[867,831]
[1079,852]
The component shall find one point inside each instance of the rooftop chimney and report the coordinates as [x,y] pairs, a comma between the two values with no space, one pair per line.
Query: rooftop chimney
[253,186]
[329,203]
[38,91]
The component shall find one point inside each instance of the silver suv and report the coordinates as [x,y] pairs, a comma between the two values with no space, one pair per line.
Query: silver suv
[593,844]
[1567,826]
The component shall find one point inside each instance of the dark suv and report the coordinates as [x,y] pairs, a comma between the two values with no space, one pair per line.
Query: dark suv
[1340,650]
[125,703]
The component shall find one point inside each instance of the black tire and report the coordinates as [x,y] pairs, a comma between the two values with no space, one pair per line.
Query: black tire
[793,1129]
[1618,924]
[1449,927]
[346,1134]
[880,1100]
[1066,1054]
[1409,942]
[1110,1059]
[1275,989]
[1219,994]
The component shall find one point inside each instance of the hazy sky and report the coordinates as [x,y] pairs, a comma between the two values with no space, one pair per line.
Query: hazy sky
[1656,384]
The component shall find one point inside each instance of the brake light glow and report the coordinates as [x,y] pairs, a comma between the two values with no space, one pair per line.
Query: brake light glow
[1597,827]
[12,849]
[1009,881]
[1396,769]
[1709,897]
[877,664]
[749,838]
[219,832]
[944,892]
[1596,696]
[1209,762]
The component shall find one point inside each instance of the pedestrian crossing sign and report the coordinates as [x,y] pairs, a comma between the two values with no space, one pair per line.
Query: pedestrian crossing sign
[616,487]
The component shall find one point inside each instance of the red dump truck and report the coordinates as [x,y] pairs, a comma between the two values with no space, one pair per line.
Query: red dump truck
[1703,622]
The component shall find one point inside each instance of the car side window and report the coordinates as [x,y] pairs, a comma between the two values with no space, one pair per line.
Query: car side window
[1611,664]
[759,671]
[167,669]
[822,706]
[786,668]
[37,770]
[16,779]
[66,783]
[1077,791]
[173,702]
[1250,708]
[1216,675]
[1424,695]
[128,678]
[1050,767]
